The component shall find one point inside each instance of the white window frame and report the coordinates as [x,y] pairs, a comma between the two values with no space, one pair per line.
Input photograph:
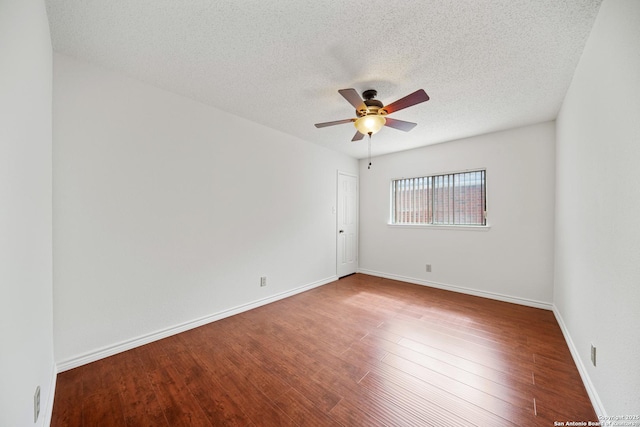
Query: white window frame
[448,226]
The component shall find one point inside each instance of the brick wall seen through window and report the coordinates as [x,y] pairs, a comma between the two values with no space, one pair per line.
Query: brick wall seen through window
[447,199]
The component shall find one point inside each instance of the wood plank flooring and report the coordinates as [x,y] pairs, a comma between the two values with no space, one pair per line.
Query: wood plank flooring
[360,351]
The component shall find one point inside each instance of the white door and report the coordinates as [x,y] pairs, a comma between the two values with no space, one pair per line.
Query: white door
[347,224]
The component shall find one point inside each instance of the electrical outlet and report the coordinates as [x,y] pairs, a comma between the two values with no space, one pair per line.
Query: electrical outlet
[428,268]
[593,355]
[36,404]
[263,281]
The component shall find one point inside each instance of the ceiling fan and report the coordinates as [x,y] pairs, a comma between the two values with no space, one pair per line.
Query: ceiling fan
[372,114]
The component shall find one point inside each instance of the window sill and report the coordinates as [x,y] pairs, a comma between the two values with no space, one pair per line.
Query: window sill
[443,227]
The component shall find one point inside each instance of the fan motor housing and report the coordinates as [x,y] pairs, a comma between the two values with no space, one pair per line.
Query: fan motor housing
[370,105]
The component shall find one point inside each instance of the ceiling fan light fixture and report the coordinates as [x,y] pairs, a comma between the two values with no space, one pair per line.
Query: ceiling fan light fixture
[369,124]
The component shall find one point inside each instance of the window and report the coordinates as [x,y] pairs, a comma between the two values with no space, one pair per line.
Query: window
[449,199]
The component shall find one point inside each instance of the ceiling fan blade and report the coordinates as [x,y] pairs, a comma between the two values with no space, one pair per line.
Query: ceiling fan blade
[358,136]
[412,99]
[336,122]
[352,96]
[399,124]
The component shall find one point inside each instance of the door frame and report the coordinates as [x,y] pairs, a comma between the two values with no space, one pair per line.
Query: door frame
[357,219]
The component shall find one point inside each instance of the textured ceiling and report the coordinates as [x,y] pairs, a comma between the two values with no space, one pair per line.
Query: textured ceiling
[486,64]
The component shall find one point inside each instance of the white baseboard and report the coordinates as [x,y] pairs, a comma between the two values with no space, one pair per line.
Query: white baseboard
[463,290]
[110,350]
[586,380]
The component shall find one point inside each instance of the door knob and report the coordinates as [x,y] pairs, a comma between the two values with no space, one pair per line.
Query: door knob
[341,231]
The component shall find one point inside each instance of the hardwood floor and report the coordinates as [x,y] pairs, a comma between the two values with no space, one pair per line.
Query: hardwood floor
[359,351]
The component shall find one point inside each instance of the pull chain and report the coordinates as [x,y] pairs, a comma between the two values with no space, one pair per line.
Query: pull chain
[369,167]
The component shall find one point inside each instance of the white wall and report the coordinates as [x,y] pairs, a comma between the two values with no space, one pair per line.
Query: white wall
[26,330]
[597,276]
[167,211]
[513,260]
